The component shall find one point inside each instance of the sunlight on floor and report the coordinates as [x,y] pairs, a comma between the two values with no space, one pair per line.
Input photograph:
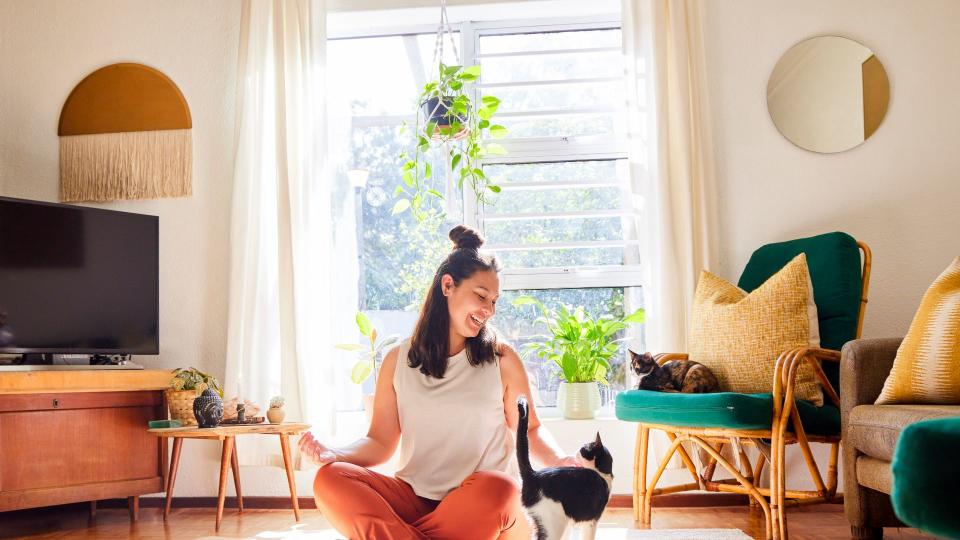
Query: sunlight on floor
[607,531]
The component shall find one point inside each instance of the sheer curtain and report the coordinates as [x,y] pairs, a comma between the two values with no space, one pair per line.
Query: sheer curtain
[671,164]
[280,329]
[670,157]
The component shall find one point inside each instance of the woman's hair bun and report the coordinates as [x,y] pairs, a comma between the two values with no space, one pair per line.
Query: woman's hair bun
[465,238]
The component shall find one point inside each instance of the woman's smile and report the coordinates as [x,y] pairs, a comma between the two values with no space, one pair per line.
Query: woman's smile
[476,321]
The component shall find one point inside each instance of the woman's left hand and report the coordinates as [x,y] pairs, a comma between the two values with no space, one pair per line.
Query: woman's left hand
[567,461]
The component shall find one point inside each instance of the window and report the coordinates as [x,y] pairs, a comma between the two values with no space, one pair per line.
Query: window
[564,223]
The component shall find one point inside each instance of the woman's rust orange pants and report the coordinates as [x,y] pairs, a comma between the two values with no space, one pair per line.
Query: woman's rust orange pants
[363,504]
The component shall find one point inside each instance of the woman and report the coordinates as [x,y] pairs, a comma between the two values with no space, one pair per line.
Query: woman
[451,390]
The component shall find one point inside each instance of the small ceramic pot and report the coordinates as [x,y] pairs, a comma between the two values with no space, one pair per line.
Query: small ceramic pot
[208,409]
[275,415]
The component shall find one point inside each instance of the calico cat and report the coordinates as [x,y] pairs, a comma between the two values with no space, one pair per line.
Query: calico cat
[555,496]
[673,376]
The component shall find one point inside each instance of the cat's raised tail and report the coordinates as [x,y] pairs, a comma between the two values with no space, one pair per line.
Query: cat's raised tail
[523,450]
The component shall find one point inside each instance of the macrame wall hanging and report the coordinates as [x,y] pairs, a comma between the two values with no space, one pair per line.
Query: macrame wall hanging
[125,134]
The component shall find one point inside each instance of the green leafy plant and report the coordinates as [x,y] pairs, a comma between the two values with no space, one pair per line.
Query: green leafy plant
[368,361]
[455,121]
[194,379]
[581,346]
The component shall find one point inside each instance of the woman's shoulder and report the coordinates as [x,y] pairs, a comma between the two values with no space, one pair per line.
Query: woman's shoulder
[504,348]
[507,356]
[394,352]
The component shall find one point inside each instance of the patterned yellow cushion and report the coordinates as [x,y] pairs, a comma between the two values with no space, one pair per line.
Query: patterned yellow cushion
[927,366]
[739,336]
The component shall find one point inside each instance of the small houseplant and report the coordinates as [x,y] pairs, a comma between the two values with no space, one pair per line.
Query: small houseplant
[185,386]
[581,347]
[275,413]
[368,354]
[458,123]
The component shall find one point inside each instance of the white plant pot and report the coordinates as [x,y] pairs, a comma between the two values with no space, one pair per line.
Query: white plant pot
[578,401]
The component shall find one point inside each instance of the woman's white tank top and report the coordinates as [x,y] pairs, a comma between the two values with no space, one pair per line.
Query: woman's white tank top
[450,427]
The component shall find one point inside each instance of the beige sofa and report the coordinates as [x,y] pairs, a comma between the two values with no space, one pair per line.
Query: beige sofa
[870,434]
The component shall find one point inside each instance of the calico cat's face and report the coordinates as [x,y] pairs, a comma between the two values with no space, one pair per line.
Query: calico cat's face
[595,455]
[642,363]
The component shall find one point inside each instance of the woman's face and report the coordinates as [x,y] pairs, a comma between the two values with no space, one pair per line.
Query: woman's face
[473,302]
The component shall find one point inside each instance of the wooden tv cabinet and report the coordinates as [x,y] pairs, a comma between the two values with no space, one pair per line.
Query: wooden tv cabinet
[76,436]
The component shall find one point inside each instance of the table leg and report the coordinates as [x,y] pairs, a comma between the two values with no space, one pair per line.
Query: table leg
[224,467]
[93,509]
[172,475]
[285,446]
[133,505]
[235,465]
[164,465]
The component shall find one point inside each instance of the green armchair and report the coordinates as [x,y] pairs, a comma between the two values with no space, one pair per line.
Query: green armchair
[711,421]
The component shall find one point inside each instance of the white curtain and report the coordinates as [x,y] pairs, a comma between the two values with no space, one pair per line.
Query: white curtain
[671,166]
[279,333]
[670,158]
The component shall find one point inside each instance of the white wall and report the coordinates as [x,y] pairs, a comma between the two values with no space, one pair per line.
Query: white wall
[46,48]
[895,191]
[898,191]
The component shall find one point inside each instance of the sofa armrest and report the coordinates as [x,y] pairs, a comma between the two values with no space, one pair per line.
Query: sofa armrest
[864,366]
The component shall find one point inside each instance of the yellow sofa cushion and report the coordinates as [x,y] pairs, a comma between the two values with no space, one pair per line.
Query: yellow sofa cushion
[927,366]
[739,336]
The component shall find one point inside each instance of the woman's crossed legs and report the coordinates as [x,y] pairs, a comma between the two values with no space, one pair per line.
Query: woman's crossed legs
[364,504]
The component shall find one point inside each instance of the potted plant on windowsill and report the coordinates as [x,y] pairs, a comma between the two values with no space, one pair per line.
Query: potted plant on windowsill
[581,348]
[369,356]
[452,119]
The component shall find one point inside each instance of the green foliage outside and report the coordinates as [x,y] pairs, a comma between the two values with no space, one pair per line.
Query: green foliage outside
[368,356]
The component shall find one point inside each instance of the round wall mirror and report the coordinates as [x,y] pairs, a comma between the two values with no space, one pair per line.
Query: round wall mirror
[828,94]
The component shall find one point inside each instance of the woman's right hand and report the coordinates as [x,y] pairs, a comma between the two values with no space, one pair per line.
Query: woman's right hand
[314,451]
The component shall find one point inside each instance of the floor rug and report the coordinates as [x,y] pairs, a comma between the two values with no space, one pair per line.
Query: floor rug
[672,534]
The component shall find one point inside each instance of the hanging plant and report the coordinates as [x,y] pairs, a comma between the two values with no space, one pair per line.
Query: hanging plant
[451,119]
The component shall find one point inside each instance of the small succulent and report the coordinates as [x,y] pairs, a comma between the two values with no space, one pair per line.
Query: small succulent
[276,402]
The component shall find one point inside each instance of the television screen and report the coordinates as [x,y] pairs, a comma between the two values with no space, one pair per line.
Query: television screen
[77,280]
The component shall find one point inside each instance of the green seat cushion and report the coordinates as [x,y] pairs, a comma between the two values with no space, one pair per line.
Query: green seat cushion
[925,475]
[719,410]
[834,263]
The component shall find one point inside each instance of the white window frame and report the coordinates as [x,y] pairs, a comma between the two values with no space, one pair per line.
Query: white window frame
[531,150]
[551,149]
[528,150]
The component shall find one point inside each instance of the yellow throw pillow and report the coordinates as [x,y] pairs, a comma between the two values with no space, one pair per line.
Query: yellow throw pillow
[739,336]
[927,366]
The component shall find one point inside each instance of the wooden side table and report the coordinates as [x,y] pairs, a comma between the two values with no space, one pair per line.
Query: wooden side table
[228,457]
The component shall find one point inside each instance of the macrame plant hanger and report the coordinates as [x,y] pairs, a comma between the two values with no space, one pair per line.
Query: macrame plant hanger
[445,30]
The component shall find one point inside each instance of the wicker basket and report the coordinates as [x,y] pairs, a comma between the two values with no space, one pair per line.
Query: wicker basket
[180,403]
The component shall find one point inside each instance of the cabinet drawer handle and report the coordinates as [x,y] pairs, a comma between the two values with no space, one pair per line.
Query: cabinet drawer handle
[56,404]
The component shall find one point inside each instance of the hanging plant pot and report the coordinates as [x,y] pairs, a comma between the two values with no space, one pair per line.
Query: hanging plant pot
[437,111]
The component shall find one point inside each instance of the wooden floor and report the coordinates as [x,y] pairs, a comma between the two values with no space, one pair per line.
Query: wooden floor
[811,523]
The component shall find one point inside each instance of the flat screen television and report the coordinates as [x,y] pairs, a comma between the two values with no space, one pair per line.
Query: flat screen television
[77,280]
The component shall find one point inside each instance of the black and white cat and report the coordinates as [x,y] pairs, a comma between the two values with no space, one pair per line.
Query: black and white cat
[556,496]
